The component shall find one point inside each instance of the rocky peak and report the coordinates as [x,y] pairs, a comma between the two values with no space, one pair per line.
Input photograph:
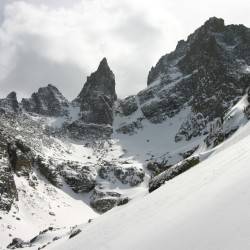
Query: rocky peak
[10,103]
[200,45]
[11,96]
[47,101]
[97,97]
[103,66]
[215,24]
[211,26]
[208,73]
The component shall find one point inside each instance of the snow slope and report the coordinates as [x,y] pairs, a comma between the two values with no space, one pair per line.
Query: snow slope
[207,208]
[41,207]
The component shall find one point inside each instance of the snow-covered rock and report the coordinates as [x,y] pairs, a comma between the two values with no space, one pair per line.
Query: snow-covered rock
[47,101]
[97,97]
[10,103]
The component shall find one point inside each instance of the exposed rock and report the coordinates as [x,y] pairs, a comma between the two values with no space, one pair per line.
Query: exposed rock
[18,243]
[216,134]
[79,176]
[39,240]
[129,175]
[194,126]
[81,130]
[129,105]
[188,153]
[130,128]
[97,97]
[20,157]
[125,174]
[8,191]
[10,103]
[49,170]
[103,201]
[172,172]
[47,101]
[157,167]
[74,232]
[247,112]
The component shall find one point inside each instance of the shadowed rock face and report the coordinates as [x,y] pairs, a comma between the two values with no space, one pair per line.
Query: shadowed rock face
[97,97]
[47,101]
[8,191]
[208,73]
[10,103]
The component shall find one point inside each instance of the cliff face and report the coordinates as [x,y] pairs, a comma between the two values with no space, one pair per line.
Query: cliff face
[46,101]
[209,72]
[98,95]
[10,103]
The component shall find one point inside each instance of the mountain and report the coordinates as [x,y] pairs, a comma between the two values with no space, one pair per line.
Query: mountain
[10,102]
[98,95]
[204,208]
[85,157]
[189,91]
[46,101]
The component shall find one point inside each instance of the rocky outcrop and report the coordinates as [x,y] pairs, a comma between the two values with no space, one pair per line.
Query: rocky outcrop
[130,128]
[8,191]
[49,170]
[79,130]
[79,176]
[41,240]
[98,95]
[172,172]
[47,101]
[18,243]
[157,167]
[20,157]
[125,174]
[102,201]
[129,105]
[195,125]
[10,103]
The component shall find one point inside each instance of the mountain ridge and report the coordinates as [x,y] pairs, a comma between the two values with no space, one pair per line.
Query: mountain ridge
[106,151]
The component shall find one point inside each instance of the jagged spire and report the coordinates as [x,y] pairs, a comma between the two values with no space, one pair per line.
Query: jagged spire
[97,96]
[103,66]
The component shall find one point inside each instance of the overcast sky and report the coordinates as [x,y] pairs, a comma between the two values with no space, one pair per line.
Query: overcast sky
[62,41]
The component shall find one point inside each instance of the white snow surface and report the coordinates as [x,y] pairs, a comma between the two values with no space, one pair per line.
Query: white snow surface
[41,207]
[205,208]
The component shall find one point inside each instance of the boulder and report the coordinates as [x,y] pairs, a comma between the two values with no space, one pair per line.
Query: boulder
[102,201]
[129,105]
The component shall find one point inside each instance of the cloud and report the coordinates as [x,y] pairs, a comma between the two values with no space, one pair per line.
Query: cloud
[62,42]
[39,41]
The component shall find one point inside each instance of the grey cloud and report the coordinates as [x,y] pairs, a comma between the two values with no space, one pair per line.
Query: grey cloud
[136,30]
[32,71]
[63,43]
